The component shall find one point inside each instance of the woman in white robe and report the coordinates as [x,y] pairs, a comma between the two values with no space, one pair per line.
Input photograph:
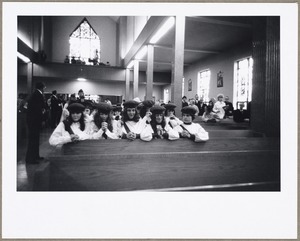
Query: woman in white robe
[73,129]
[190,130]
[161,129]
[170,115]
[104,126]
[133,127]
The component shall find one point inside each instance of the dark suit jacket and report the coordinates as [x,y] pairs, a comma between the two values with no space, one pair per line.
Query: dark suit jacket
[239,116]
[35,109]
[55,104]
[201,108]
[229,108]
[185,104]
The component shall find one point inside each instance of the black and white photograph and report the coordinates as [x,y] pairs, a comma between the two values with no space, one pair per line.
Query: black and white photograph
[80,84]
[122,107]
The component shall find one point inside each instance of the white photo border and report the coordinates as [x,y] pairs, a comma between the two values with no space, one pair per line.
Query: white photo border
[218,215]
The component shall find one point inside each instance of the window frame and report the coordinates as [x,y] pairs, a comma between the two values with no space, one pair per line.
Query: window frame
[93,40]
[249,79]
[205,99]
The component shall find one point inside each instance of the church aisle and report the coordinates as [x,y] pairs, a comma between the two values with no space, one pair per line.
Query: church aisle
[25,173]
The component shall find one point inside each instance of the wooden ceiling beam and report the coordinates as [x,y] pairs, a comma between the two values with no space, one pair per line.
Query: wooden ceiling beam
[188,50]
[219,22]
[151,26]
[159,62]
[27,51]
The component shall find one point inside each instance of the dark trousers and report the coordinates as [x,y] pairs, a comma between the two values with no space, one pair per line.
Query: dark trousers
[32,153]
[55,118]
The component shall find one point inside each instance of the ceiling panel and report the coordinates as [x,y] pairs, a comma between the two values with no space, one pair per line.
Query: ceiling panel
[213,37]
[206,34]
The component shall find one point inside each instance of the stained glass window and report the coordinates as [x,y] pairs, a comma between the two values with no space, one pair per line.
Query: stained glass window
[203,84]
[85,44]
[243,81]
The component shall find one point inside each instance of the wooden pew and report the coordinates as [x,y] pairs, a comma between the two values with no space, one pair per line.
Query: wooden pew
[161,165]
[225,124]
[220,133]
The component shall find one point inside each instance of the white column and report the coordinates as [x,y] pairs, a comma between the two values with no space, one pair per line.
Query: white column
[136,79]
[127,85]
[150,61]
[29,77]
[176,85]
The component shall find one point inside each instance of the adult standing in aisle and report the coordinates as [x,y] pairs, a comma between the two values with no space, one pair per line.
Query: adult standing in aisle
[55,109]
[81,98]
[35,110]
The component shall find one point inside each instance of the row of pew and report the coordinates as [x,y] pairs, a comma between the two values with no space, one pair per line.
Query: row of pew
[234,159]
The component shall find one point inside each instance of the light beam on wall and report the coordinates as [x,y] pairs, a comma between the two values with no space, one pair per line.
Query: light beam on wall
[25,40]
[130,65]
[81,79]
[163,30]
[141,53]
[23,57]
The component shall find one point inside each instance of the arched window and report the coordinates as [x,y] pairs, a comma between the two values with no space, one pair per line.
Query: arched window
[85,44]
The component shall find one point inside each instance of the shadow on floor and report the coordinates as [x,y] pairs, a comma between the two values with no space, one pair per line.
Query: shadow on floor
[25,173]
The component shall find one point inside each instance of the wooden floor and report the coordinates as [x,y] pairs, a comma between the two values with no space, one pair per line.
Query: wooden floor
[26,173]
[234,159]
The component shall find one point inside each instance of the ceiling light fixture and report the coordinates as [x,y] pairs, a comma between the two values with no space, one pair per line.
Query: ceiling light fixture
[23,57]
[163,30]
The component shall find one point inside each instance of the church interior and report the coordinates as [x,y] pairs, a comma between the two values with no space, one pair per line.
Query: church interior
[158,58]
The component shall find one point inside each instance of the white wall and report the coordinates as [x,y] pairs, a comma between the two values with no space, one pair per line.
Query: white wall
[135,25]
[63,26]
[139,24]
[92,87]
[222,62]
[89,87]
[157,92]
[29,28]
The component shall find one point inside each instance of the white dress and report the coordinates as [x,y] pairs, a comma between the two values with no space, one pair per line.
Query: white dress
[174,122]
[194,129]
[218,109]
[141,128]
[60,136]
[172,134]
[97,133]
